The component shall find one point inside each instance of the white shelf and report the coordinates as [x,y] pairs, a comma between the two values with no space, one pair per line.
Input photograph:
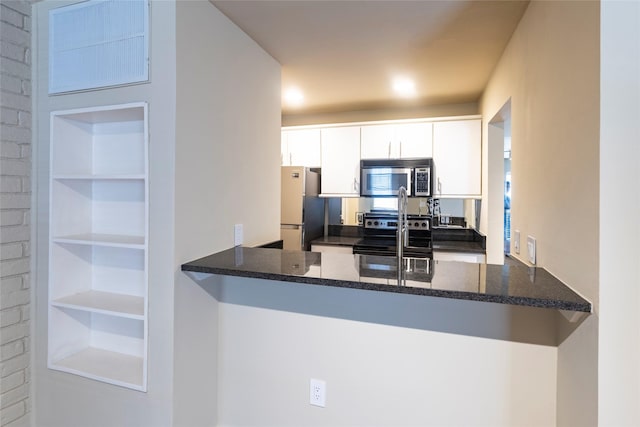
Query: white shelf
[128,306]
[112,240]
[98,236]
[105,177]
[104,365]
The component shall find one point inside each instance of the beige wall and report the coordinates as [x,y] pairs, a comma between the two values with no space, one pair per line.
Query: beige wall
[550,72]
[387,359]
[227,172]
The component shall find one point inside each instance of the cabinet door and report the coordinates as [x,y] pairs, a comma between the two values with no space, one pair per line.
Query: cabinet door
[341,161]
[457,156]
[415,140]
[300,147]
[304,147]
[378,142]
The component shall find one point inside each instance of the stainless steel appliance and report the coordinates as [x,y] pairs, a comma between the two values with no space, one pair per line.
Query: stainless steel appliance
[380,236]
[383,177]
[301,210]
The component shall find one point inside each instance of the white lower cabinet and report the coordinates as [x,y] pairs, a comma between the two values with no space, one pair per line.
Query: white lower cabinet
[341,161]
[98,245]
[457,155]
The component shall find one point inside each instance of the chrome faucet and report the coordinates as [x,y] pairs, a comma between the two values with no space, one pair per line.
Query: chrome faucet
[402,230]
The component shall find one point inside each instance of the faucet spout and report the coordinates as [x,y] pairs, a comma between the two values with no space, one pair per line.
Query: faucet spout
[402,231]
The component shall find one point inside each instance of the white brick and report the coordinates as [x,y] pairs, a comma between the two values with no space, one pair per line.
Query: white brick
[16,133]
[10,16]
[9,116]
[14,396]
[14,299]
[17,101]
[12,413]
[11,284]
[14,167]
[11,217]
[11,251]
[14,267]
[22,6]
[11,184]
[10,316]
[25,310]
[15,201]
[11,83]
[15,35]
[25,151]
[24,118]
[11,350]
[19,167]
[10,150]
[14,332]
[12,381]
[14,365]
[26,24]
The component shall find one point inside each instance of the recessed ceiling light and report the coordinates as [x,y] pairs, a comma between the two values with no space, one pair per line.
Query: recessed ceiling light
[293,96]
[404,87]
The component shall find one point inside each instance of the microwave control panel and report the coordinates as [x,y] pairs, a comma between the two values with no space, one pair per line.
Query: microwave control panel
[422,182]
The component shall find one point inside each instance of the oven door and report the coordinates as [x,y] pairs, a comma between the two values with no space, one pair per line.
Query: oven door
[384,181]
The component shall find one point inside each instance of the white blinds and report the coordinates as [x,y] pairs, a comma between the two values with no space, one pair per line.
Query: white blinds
[98,43]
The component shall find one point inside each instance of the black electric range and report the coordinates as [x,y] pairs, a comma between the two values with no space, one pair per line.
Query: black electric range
[380,236]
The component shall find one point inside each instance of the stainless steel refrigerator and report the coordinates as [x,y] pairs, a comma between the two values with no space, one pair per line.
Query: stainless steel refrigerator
[301,210]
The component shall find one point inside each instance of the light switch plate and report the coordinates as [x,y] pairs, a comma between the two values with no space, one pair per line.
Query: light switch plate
[516,241]
[531,249]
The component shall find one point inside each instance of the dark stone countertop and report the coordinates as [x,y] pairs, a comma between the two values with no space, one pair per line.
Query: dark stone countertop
[516,285]
[443,239]
[336,240]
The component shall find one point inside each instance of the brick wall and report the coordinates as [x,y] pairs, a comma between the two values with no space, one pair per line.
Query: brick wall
[15,204]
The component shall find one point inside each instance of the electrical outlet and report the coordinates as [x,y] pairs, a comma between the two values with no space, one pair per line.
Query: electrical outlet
[237,234]
[531,249]
[516,241]
[317,392]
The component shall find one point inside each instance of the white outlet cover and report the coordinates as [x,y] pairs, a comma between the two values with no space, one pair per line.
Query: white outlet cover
[237,234]
[516,241]
[531,249]
[317,392]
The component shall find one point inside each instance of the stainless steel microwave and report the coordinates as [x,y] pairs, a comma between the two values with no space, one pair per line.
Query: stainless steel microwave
[383,177]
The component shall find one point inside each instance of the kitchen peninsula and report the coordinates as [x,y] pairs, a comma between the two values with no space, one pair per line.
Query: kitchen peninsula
[514,285]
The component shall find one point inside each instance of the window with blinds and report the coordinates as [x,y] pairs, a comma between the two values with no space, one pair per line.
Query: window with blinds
[98,43]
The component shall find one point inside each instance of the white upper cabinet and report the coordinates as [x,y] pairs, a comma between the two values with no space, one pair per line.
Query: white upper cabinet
[457,155]
[341,161]
[396,141]
[301,147]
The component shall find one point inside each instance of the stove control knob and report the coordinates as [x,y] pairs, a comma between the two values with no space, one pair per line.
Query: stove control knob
[424,224]
[417,224]
[375,223]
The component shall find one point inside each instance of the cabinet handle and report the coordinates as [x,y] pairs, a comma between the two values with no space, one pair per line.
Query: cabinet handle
[290,159]
[439,187]
[389,150]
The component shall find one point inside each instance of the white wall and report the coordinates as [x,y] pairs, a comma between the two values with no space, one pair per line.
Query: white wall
[619,340]
[66,400]
[227,172]
[387,359]
[550,71]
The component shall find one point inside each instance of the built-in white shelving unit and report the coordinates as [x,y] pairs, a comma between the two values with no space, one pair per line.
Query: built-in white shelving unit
[98,245]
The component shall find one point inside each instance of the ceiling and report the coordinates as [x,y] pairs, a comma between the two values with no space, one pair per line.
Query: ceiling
[343,54]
